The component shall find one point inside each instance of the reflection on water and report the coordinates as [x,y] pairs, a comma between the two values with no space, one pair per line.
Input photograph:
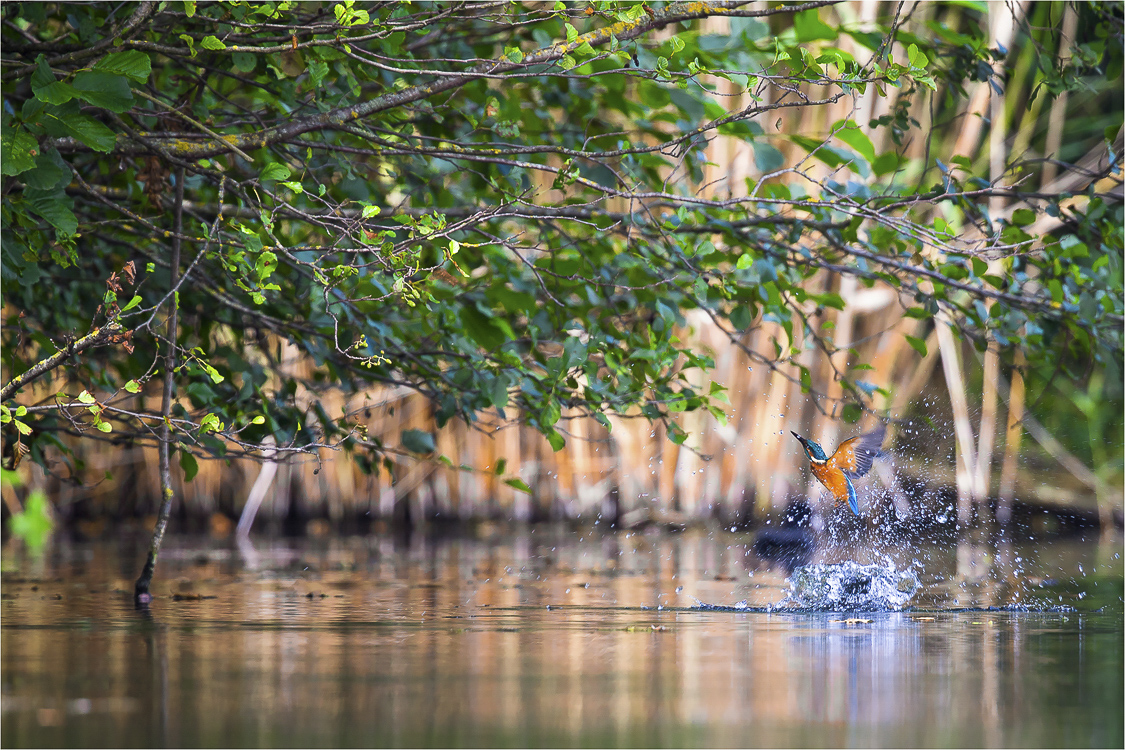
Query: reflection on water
[554,638]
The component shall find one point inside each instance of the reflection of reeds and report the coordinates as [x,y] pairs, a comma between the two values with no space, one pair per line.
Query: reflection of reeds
[358,641]
[731,471]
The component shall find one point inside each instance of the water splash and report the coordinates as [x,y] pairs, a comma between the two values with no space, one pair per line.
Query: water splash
[852,587]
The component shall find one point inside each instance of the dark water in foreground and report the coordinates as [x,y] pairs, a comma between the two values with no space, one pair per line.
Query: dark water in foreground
[555,638]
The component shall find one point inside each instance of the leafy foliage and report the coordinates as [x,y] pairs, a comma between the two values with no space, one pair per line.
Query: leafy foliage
[500,208]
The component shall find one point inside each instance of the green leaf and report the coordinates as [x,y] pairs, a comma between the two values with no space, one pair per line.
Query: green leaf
[767,158]
[825,152]
[318,69]
[258,420]
[852,413]
[555,439]
[418,441]
[189,8]
[86,398]
[130,63]
[90,132]
[55,207]
[498,392]
[42,76]
[46,87]
[809,27]
[189,465]
[50,172]
[210,423]
[34,523]
[55,92]
[918,344]
[481,329]
[17,152]
[275,171]
[132,303]
[212,43]
[105,90]
[514,54]
[851,134]
[212,373]
[918,58]
[369,211]
[133,386]
[245,62]
[517,483]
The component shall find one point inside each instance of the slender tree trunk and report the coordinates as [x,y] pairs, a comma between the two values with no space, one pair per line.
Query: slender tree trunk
[982,480]
[140,591]
[1011,445]
[966,460]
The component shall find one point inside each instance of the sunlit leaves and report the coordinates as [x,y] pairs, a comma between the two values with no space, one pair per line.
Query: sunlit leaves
[275,171]
[17,153]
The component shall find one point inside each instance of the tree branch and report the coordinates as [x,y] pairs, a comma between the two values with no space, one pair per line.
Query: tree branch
[97,337]
[620,31]
[140,590]
[140,15]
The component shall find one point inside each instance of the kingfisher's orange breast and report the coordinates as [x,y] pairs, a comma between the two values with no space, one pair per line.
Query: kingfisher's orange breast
[832,478]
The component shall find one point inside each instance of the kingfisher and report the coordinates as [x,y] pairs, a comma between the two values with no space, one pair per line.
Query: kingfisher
[851,460]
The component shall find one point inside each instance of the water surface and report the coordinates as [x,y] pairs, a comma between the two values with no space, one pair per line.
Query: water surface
[556,637]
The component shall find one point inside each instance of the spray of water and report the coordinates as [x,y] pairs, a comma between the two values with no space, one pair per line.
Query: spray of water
[849,586]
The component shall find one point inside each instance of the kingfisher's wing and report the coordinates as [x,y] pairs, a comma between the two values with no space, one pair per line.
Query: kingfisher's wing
[854,456]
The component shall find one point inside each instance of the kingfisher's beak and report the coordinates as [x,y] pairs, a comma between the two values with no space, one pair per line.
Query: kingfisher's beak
[804,443]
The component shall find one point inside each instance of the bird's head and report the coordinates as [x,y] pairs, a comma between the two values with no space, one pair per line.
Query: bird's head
[813,450]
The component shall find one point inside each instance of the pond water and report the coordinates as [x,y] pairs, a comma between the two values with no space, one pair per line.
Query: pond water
[562,637]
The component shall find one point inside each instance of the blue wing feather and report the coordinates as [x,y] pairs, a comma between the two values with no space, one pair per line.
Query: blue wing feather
[853,499]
